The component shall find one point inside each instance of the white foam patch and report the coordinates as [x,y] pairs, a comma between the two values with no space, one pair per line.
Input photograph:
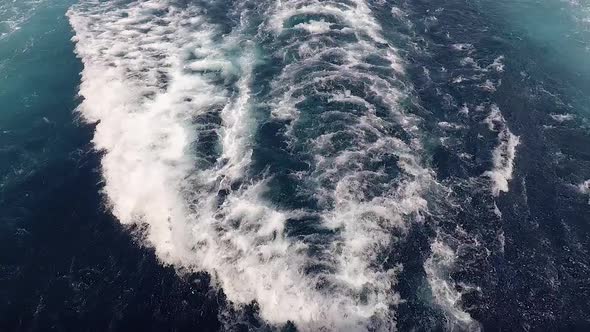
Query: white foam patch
[497,211]
[439,267]
[504,154]
[502,241]
[357,14]
[584,188]
[463,47]
[562,117]
[134,86]
[498,64]
[450,126]
[488,86]
[397,12]
[464,110]
[315,27]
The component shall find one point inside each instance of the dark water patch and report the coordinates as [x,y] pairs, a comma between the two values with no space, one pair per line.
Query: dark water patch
[417,311]
[74,268]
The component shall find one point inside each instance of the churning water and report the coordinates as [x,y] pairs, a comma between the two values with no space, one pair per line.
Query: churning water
[300,165]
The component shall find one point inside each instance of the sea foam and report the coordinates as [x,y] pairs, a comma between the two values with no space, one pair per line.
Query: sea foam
[439,267]
[153,70]
[504,154]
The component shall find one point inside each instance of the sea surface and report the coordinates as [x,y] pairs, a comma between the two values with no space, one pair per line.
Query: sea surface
[294,165]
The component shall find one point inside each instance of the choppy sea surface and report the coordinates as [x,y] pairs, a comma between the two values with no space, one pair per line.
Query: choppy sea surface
[294,165]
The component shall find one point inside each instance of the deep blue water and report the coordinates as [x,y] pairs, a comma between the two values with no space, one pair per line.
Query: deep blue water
[299,165]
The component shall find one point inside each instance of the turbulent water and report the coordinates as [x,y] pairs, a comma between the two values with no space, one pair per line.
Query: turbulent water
[295,165]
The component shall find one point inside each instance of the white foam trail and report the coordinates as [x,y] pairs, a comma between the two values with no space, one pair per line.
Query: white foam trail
[439,267]
[136,88]
[504,154]
[363,220]
[150,69]
[144,127]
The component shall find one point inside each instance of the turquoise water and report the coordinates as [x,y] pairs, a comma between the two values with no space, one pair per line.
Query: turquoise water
[557,36]
[39,79]
[334,165]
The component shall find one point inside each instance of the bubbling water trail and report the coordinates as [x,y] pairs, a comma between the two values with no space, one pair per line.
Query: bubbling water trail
[158,76]
[360,136]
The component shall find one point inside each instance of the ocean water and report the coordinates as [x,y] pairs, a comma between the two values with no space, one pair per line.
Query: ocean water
[294,165]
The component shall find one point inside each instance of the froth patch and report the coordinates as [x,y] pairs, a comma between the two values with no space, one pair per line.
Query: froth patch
[504,154]
[584,188]
[439,267]
[562,117]
[315,27]
[135,88]
[354,13]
